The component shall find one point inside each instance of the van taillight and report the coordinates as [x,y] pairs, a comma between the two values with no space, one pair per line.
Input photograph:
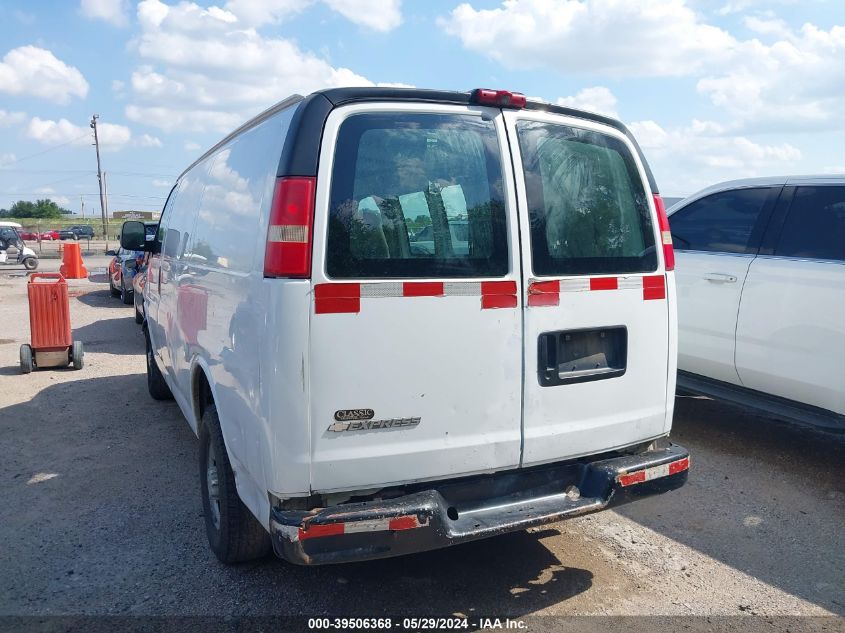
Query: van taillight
[289,241]
[665,233]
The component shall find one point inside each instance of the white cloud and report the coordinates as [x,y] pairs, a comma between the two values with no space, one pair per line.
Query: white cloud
[614,37]
[686,159]
[145,140]
[30,70]
[162,183]
[205,72]
[49,132]
[62,201]
[738,6]
[827,170]
[7,158]
[258,12]
[191,146]
[596,99]
[114,12]
[379,15]
[796,80]
[783,75]
[8,119]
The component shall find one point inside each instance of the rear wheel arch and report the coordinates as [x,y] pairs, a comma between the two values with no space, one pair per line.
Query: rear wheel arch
[202,395]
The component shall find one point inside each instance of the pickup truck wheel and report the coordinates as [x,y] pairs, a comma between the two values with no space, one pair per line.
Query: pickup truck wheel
[234,534]
[155,381]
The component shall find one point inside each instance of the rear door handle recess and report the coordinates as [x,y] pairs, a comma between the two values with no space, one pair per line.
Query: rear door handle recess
[722,278]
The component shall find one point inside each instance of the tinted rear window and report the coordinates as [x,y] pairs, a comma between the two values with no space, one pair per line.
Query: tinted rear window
[417,195]
[588,209]
[815,226]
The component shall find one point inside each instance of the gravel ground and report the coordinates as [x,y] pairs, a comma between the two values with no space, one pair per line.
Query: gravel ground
[101,513]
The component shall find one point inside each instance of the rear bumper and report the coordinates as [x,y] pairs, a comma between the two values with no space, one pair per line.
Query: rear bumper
[447,513]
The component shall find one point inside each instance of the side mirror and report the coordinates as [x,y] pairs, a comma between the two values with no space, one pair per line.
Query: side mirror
[132,236]
[111,253]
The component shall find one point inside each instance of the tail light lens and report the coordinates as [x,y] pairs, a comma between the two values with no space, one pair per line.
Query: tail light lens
[289,235]
[665,233]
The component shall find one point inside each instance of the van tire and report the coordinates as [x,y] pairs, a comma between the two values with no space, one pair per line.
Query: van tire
[234,534]
[155,381]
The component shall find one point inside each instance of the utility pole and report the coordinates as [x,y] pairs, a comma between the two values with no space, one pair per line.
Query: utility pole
[82,206]
[100,178]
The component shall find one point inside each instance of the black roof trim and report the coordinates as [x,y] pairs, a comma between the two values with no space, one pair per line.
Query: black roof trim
[301,153]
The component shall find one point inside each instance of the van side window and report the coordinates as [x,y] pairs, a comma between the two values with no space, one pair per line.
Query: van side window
[238,187]
[722,222]
[588,209]
[417,195]
[815,225]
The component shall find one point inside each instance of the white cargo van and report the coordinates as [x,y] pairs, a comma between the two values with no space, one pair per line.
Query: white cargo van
[402,319]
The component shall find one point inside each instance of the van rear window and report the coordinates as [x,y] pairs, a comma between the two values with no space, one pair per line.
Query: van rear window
[417,195]
[588,209]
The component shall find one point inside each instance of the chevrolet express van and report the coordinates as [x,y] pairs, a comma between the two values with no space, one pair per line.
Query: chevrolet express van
[403,319]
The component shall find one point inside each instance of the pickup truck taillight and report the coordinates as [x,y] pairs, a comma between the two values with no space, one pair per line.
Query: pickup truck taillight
[289,234]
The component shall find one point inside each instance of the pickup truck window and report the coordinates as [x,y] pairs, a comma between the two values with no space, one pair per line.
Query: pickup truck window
[417,195]
[588,209]
[722,222]
[815,226]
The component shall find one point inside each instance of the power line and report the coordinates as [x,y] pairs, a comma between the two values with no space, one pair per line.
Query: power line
[49,149]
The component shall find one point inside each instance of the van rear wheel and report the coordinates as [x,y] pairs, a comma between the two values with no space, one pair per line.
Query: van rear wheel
[234,534]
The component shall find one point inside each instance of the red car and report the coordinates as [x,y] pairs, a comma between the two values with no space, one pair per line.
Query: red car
[28,235]
[50,235]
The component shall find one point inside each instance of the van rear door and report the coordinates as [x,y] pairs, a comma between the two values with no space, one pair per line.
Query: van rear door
[416,345]
[597,319]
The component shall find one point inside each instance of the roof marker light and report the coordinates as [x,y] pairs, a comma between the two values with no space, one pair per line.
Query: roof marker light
[498,98]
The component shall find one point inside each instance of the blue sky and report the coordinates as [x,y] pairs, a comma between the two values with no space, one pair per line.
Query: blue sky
[713,89]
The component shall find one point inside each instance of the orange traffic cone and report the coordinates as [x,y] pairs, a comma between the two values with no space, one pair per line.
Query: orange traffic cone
[72,267]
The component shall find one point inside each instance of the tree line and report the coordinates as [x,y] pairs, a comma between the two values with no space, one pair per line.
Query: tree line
[40,209]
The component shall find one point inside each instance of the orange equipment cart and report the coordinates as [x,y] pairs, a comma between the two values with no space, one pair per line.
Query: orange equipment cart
[49,325]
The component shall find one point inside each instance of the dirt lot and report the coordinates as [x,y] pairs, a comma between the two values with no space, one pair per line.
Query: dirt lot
[101,513]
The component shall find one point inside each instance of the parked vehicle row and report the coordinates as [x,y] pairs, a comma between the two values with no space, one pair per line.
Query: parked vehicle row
[127,272]
[81,231]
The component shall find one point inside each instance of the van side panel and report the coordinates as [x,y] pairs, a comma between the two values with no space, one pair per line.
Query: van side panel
[214,300]
[285,371]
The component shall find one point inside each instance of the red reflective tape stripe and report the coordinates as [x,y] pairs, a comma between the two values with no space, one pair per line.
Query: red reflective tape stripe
[315,531]
[498,294]
[403,523]
[679,466]
[498,301]
[498,288]
[544,287]
[632,478]
[337,298]
[604,283]
[542,300]
[654,287]
[422,289]
[543,293]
